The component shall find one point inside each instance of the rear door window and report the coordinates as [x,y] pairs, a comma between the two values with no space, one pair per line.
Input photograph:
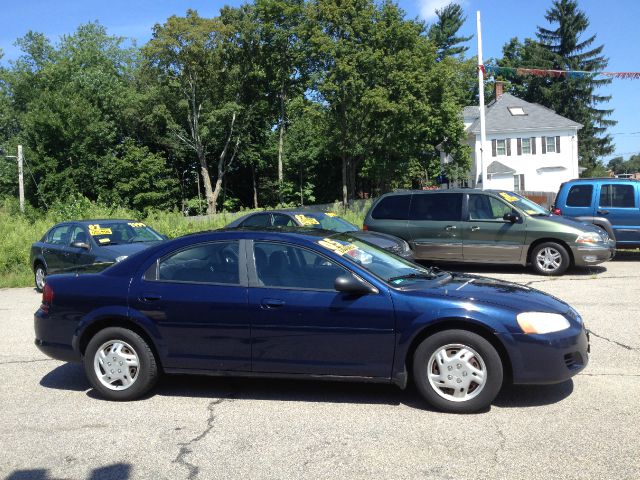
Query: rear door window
[206,263]
[394,207]
[438,207]
[580,196]
[617,196]
[280,220]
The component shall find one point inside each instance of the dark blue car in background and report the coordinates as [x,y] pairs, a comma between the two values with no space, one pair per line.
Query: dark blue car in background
[85,243]
[305,304]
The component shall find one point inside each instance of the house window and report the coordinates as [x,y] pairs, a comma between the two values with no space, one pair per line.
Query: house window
[501,147]
[518,183]
[551,144]
[526,146]
[516,111]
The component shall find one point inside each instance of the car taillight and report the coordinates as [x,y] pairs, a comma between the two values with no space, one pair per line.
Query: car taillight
[365,226]
[47,298]
[556,211]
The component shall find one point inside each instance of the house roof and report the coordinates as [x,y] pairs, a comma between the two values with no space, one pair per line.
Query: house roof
[496,168]
[498,118]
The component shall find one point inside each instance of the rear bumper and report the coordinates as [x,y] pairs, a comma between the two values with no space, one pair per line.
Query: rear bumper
[585,256]
[51,338]
[57,351]
[548,359]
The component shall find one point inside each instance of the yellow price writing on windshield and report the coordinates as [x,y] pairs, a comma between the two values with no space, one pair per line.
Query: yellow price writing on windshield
[306,221]
[95,229]
[136,224]
[508,198]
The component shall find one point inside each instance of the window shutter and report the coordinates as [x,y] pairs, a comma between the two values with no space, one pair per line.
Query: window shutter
[519,141]
[522,182]
[494,148]
[544,145]
[533,145]
[508,142]
[557,144]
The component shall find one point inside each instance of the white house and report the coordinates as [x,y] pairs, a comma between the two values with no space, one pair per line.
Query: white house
[528,146]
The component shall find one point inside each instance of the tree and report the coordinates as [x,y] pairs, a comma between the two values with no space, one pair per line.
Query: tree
[192,59]
[443,32]
[572,96]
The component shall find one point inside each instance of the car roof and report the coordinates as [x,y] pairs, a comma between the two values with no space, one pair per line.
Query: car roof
[289,212]
[445,190]
[601,179]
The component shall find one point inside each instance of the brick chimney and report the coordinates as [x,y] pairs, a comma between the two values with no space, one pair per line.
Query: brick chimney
[499,89]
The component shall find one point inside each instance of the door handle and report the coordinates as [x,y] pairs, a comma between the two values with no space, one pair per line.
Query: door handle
[271,303]
[150,297]
[602,212]
[475,228]
[450,227]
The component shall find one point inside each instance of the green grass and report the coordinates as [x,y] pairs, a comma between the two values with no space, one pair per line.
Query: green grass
[18,231]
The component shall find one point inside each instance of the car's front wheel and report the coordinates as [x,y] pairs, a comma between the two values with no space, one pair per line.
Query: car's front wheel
[457,371]
[550,258]
[120,364]
[39,274]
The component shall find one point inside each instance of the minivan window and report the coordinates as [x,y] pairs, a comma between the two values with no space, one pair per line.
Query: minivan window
[580,196]
[393,207]
[485,207]
[443,207]
[621,196]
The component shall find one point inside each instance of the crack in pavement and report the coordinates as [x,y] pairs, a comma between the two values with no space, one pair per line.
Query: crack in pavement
[609,374]
[29,361]
[556,279]
[185,447]
[501,444]
[627,347]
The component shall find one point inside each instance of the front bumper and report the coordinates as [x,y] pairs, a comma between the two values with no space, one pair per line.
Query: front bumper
[549,358]
[584,256]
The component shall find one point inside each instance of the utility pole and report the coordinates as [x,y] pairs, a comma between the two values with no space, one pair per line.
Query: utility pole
[20,178]
[483,132]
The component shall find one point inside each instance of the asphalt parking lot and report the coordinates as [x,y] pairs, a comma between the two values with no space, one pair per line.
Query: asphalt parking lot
[52,425]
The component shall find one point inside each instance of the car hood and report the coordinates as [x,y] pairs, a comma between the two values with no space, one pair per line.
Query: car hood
[123,249]
[488,290]
[570,222]
[383,240]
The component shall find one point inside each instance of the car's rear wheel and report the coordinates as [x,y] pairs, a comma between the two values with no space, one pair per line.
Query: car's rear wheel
[457,371]
[550,258]
[120,364]
[39,275]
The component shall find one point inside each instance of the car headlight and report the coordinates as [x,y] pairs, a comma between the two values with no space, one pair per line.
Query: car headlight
[120,258]
[589,238]
[541,322]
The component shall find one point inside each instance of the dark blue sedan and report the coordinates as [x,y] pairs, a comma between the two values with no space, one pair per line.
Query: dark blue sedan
[84,243]
[306,304]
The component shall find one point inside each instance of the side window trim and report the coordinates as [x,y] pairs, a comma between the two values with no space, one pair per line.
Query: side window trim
[254,282]
[153,269]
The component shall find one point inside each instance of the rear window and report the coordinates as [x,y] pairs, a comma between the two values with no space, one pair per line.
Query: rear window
[394,207]
[621,196]
[580,196]
[443,207]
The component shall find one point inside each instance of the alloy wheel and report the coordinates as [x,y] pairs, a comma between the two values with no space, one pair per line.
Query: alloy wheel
[549,259]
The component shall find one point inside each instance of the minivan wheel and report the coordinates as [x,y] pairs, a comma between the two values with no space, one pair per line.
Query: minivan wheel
[550,258]
[120,364]
[39,275]
[457,371]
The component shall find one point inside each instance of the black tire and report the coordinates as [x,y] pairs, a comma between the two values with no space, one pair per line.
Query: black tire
[38,269]
[484,355]
[554,250]
[145,376]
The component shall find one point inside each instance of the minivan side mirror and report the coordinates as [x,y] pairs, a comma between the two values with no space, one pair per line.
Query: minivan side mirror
[350,284]
[511,217]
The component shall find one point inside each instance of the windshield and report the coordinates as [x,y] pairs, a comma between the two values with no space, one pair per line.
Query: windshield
[523,203]
[388,267]
[114,233]
[326,221]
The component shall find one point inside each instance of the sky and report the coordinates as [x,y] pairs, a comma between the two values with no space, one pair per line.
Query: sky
[501,21]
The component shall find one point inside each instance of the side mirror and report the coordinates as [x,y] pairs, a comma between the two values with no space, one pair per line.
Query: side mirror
[511,217]
[350,284]
[80,245]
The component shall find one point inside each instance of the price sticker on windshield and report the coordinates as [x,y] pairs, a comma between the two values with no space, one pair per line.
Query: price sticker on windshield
[337,247]
[331,214]
[136,224]
[306,221]
[95,229]
[508,198]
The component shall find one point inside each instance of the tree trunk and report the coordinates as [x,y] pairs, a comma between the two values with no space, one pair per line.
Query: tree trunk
[211,208]
[353,165]
[222,168]
[345,197]
[255,188]
[206,181]
[283,99]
